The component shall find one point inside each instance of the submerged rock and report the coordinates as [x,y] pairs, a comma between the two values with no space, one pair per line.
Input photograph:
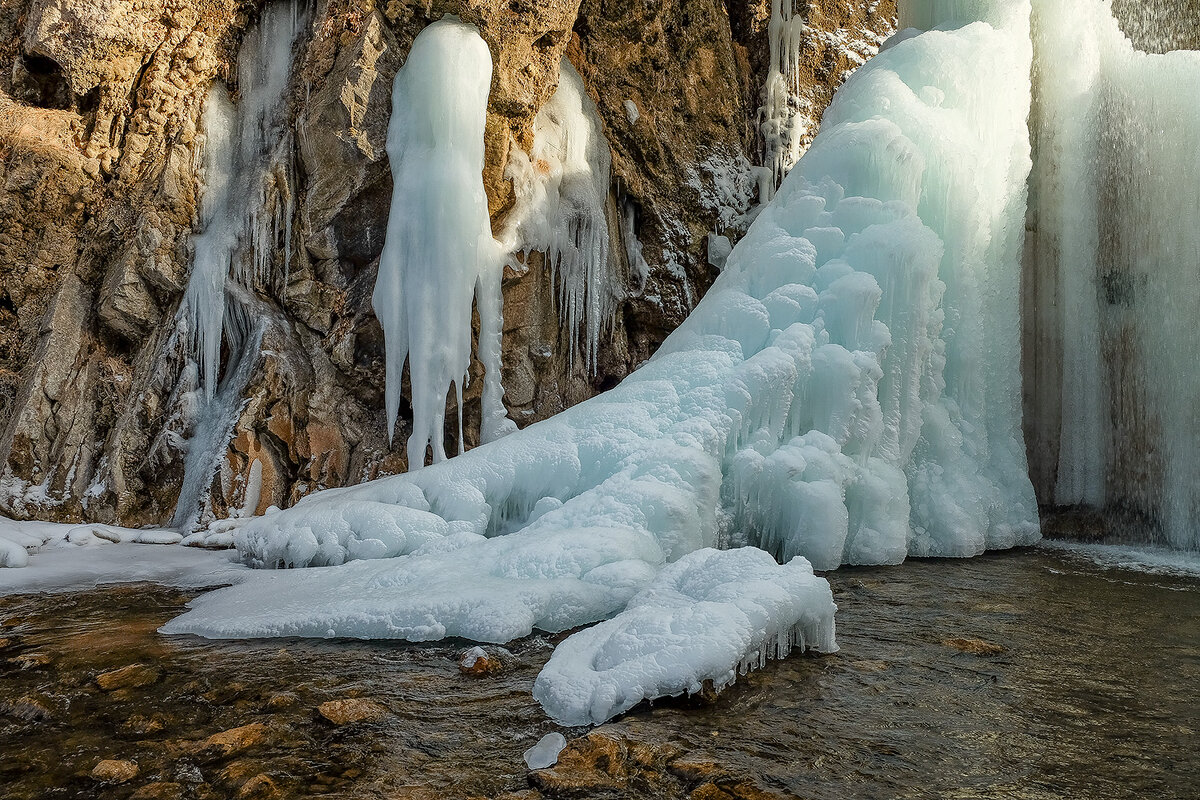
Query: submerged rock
[352,710]
[115,771]
[975,647]
[130,677]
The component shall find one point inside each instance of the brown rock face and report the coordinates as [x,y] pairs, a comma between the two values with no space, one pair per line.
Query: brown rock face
[101,137]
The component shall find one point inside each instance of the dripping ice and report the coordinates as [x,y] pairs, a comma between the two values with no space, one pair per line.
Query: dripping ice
[245,216]
[562,190]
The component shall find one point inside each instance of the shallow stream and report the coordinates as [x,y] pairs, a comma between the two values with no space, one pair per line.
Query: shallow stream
[1033,674]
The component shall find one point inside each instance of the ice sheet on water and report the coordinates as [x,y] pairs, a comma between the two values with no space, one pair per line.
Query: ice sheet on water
[706,618]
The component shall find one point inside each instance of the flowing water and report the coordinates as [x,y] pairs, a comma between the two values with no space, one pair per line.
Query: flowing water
[1095,693]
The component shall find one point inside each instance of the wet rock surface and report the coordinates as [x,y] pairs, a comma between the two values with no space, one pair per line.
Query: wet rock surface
[1065,710]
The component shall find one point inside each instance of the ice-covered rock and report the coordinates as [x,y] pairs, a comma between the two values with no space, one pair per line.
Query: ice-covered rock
[706,618]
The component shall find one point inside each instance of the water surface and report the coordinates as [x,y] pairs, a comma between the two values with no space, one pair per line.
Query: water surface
[1036,674]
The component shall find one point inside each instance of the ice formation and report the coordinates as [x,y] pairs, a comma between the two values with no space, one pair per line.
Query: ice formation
[562,189]
[848,392]
[1115,272]
[18,540]
[705,618]
[245,216]
[545,752]
[785,119]
[439,253]
[245,212]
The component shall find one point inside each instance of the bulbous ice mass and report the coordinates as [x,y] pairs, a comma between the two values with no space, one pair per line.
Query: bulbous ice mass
[439,253]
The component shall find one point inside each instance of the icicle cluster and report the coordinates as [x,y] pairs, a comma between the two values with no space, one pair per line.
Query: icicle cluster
[562,190]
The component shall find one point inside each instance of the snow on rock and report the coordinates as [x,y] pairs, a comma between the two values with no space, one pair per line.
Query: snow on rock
[848,391]
[710,616]
[18,540]
[439,253]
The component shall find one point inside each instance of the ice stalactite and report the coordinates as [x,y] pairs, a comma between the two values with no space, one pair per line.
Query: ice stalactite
[783,121]
[439,253]
[562,188]
[847,392]
[1115,269]
[788,117]
[247,203]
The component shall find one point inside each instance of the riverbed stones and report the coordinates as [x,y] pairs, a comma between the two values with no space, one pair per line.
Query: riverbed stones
[281,701]
[159,790]
[27,708]
[133,676]
[32,660]
[478,663]
[352,710]
[112,770]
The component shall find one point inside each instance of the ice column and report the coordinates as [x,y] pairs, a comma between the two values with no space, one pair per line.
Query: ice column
[439,252]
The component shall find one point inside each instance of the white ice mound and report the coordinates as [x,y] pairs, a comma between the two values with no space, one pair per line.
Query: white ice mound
[710,616]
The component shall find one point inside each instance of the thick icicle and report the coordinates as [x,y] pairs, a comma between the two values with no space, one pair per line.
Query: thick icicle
[439,253]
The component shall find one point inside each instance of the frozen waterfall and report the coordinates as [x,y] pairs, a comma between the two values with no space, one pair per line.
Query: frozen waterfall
[1113,291]
[245,216]
[847,392]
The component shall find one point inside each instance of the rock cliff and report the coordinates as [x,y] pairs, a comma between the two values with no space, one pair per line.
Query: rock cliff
[102,143]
